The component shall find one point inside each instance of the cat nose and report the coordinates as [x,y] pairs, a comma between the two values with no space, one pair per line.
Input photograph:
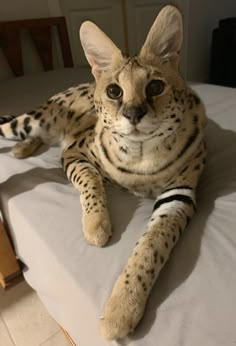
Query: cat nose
[135,113]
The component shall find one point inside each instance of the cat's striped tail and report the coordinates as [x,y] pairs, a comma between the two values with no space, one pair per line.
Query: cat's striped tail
[6,118]
[18,128]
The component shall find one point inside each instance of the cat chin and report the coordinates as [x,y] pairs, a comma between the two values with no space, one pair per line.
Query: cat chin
[137,136]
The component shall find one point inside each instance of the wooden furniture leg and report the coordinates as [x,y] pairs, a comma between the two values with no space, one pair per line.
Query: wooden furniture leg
[68,337]
[10,272]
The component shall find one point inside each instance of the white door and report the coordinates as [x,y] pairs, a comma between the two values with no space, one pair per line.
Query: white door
[107,14]
[140,16]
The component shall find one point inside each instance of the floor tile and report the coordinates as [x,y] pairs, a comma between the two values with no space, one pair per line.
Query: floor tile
[56,340]
[27,320]
[4,335]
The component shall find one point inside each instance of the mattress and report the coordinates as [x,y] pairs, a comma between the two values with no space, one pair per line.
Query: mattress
[194,299]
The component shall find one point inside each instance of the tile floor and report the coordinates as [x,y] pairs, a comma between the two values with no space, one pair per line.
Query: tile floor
[24,320]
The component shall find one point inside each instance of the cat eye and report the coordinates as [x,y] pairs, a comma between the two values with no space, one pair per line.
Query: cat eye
[155,87]
[114,91]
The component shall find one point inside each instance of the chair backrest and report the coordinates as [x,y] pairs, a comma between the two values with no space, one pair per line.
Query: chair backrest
[40,31]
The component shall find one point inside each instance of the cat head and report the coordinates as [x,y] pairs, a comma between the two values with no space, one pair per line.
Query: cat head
[132,93]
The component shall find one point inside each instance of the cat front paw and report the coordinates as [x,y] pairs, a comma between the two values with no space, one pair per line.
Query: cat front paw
[122,313]
[97,229]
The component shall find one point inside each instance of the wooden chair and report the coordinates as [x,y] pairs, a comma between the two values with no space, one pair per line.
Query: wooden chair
[40,31]
[10,43]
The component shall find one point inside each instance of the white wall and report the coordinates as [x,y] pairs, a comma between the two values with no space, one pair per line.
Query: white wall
[23,9]
[204,16]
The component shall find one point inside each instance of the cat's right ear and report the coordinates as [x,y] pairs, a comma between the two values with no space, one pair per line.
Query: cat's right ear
[98,48]
[165,37]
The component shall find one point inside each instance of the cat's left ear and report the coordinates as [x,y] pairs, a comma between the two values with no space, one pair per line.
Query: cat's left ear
[99,49]
[165,37]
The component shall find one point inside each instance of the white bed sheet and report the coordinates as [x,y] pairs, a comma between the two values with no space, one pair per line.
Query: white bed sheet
[193,301]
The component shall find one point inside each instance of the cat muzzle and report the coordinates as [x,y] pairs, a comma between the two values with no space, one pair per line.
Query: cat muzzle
[135,113]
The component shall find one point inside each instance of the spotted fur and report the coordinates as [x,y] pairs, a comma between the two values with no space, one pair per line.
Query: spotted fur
[138,126]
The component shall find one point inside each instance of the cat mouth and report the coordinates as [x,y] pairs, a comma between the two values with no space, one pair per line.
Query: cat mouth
[136,134]
[139,132]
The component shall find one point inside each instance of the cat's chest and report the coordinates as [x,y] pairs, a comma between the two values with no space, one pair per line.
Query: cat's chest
[142,185]
[134,171]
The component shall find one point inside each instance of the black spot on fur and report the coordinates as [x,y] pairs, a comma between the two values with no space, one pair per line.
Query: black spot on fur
[180,231]
[155,256]
[37,115]
[70,114]
[42,122]
[6,119]
[198,154]
[31,112]
[85,92]
[196,99]
[144,286]
[27,127]
[68,94]
[190,141]
[13,125]
[1,133]
[72,145]
[124,150]
[81,143]
[184,170]
[195,119]
[22,135]
[82,87]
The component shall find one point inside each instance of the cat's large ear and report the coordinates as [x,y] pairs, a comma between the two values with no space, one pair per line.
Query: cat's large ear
[98,48]
[165,37]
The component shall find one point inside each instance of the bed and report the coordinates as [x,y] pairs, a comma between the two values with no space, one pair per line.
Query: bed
[193,300]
